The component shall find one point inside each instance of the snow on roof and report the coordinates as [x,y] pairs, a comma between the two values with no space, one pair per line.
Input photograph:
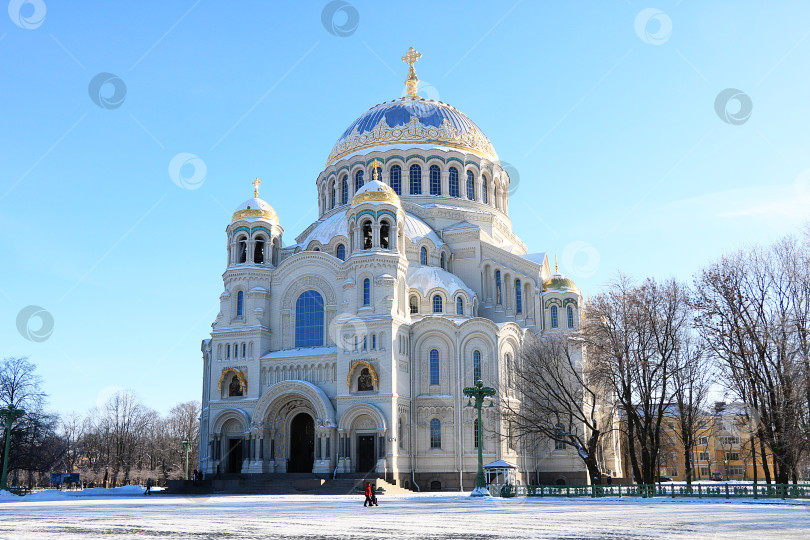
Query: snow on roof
[538,258]
[416,229]
[334,225]
[255,204]
[426,278]
[302,351]
[500,464]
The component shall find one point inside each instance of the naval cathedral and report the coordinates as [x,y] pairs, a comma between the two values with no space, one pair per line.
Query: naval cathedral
[347,351]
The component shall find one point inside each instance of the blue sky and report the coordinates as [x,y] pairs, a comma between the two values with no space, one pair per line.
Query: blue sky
[606,112]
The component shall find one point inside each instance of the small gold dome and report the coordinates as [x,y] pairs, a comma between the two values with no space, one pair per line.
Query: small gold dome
[255,208]
[558,282]
[375,191]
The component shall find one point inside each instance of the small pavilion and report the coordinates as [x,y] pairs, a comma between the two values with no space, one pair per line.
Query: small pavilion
[500,473]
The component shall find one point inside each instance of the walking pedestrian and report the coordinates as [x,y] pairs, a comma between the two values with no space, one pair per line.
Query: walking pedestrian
[369,492]
[148,487]
[374,494]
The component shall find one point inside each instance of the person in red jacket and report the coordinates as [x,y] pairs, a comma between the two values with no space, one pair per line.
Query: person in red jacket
[369,491]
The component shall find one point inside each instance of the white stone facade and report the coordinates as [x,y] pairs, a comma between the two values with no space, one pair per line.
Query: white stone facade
[433,289]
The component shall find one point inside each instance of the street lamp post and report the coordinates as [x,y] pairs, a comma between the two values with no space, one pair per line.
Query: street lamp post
[186,448]
[9,415]
[479,392]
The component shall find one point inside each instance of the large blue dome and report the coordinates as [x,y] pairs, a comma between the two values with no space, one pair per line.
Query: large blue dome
[413,121]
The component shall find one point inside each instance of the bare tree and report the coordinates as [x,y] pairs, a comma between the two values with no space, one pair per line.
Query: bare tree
[20,386]
[558,399]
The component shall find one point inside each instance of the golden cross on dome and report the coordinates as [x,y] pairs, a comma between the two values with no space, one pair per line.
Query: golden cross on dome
[374,166]
[556,268]
[410,58]
[256,187]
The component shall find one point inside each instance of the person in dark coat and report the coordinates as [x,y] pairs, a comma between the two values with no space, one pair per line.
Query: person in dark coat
[148,487]
[374,494]
[369,491]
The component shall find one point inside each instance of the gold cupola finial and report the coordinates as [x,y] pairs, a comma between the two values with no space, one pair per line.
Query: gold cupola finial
[556,268]
[412,82]
[256,188]
[375,164]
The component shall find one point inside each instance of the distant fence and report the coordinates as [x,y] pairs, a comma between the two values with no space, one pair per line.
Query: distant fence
[719,491]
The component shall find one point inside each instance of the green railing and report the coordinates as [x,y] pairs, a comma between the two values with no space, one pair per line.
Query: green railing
[698,491]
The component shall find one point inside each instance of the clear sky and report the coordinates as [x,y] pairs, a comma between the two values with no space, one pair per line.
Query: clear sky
[606,112]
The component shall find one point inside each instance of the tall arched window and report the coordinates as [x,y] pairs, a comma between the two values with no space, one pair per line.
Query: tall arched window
[475,432]
[400,435]
[309,319]
[437,303]
[570,317]
[396,179]
[554,322]
[497,286]
[442,262]
[459,306]
[453,182]
[518,297]
[258,251]
[242,249]
[423,256]
[510,371]
[366,292]
[496,196]
[228,350]
[341,252]
[332,196]
[367,235]
[358,180]
[240,303]
[484,190]
[413,305]
[476,366]
[384,233]
[470,186]
[435,180]
[434,366]
[435,433]
[416,179]
[344,190]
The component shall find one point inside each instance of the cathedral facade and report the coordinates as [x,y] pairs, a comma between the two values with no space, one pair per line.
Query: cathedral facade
[348,350]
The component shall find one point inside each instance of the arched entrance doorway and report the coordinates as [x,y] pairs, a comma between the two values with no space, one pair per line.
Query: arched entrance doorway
[302,444]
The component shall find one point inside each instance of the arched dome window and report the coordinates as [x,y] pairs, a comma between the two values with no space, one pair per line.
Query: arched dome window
[367,235]
[570,317]
[240,303]
[341,252]
[554,320]
[470,186]
[358,180]
[423,256]
[435,433]
[416,179]
[396,179]
[242,249]
[459,306]
[385,230]
[309,311]
[437,303]
[476,366]
[258,251]
[434,366]
[332,196]
[518,297]
[413,304]
[344,190]
[484,190]
[435,180]
[453,182]
[366,292]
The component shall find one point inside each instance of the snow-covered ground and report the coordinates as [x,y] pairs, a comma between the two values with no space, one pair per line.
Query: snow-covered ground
[127,512]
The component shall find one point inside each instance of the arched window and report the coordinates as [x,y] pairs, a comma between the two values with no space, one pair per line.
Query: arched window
[244,349]
[435,433]
[423,256]
[510,371]
[470,186]
[384,232]
[367,235]
[570,317]
[309,320]
[416,179]
[414,305]
[476,366]
[242,249]
[373,342]
[396,179]
[497,286]
[442,263]
[240,303]
[258,252]
[358,180]
[400,435]
[459,306]
[453,182]
[365,343]
[496,196]
[332,196]
[554,322]
[475,433]
[434,366]
[341,252]
[228,350]
[437,303]
[518,297]
[366,292]
[435,180]
[484,189]
[344,190]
